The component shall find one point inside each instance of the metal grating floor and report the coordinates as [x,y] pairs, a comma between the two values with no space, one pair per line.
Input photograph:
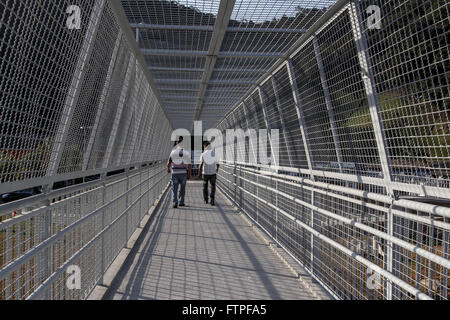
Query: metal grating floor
[204,253]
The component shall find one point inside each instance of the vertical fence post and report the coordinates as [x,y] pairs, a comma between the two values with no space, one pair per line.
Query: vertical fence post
[127,205]
[120,108]
[47,234]
[283,124]
[74,92]
[300,115]
[329,103]
[257,198]
[312,236]
[276,211]
[252,146]
[101,104]
[263,100]
[375,113]
[103,266]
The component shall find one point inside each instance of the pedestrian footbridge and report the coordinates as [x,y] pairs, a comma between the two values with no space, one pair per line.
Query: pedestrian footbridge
[202,252]
[335,183]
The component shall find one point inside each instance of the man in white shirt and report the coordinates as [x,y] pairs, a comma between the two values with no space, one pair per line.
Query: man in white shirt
[209,166]
[180,166]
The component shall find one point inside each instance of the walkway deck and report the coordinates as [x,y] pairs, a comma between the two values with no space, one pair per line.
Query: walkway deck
[205,253]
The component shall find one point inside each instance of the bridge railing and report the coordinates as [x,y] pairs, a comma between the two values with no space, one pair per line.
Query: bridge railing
[341,235]
[78,111]
[362,107]
[62,243]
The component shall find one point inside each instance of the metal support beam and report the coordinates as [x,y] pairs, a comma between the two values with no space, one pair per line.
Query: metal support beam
[211,28]
[222,21]
[171,27]
[195,53]
[238,54]
[266,30]
[177,98]
[371,92]
[236,156]
[252,146]
[300,115]
[138,114]
[283,125]
[202,70]
[171,53]
[102,100]
[116,123]
[127,125]
[329,104]
[267,121]
[138,36]
[74,92]
[218,82]
[375,113]
[175,69]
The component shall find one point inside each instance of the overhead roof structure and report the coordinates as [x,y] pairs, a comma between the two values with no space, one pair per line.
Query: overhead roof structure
[205,55]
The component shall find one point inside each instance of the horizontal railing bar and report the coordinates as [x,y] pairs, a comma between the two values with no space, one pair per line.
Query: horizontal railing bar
[414,205]
[47,242]
[20,204]
[424,253]
[37,182]
[356,256]
[282,245]
[63,267]
[364,194]
[178,27]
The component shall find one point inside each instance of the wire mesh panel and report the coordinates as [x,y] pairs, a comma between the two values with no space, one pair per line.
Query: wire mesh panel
[360,197]
[344,238]
[410,59]
[284,94]
[82,128]
[274,121]
[346,98]
[84,115]
[35,80]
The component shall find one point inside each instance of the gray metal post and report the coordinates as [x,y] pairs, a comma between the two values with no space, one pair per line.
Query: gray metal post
[133,89]
[283,125]
[337,145]
[276,211]
[222,21]
[74,92]
[138,33]
[102,100]
[252,146]
[127,206]
[116,123]
[312,236]
[103,264]
[375,113]
[300,115]
[267,121]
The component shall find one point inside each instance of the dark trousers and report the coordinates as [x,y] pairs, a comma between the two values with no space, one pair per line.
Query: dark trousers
[212,180]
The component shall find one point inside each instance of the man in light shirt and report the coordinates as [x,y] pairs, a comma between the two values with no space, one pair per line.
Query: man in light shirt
[209,166]
[180,166]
